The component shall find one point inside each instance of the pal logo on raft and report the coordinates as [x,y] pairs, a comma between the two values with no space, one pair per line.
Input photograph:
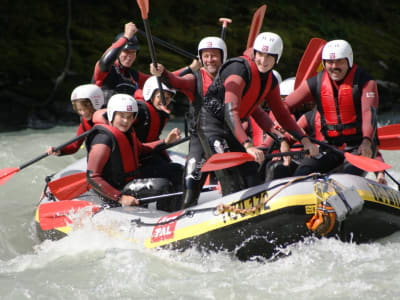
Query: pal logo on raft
[166,229]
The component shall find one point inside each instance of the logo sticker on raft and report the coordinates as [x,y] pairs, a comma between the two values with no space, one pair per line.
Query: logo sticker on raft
[165,231]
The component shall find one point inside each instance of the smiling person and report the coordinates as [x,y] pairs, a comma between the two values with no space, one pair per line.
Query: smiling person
[346,98]
[114,152]
[212,52]
[236,93]
[86,99]
[114,72]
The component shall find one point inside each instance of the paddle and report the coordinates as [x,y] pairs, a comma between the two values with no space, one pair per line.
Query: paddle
[225,22]
[311,61]
[256,24]
[55,214]
[392,129]
[71,186]
[389,137]
[170,46]
[225,160]
[361,162]
[7,173]
[144,9]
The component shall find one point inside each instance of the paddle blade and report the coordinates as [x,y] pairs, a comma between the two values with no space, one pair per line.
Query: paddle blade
[7,173]
[226,160]
[311,61]
[56,214]
[365,163]
[144,8]
[389,142]
[393,129]
[256,24]
[70,186]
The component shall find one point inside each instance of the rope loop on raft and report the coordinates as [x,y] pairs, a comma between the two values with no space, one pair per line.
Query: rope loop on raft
[221,208]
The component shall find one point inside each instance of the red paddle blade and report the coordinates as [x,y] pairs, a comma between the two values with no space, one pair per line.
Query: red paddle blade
[365,163]
[311,61]
[226,160]
[389,130]
[256,24]
[389,142]
[7,173]
[70,186]
[144,7]
[56,214]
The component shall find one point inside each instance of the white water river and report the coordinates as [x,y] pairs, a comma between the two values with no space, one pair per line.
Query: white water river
[91,265]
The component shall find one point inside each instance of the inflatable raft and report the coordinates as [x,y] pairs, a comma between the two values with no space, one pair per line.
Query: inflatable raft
[250,223]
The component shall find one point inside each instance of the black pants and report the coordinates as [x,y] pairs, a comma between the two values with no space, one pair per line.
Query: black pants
[159,166]
[326,162]
[194,179]
[216,137]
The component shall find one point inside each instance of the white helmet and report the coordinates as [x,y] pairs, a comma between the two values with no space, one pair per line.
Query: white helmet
[287,86]
[151,85]
[338,49]
[91,92]
[269,42]
[213,42]
[121,102]
[277,75]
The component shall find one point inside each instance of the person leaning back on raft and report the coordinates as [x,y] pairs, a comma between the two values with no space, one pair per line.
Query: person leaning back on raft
[236,93]
[212,52]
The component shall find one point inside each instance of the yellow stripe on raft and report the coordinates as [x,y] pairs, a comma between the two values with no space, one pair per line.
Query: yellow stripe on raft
[228,218]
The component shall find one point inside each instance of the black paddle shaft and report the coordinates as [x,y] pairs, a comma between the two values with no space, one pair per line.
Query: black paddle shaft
[153,56]
[79,137]
[170,46]
[167,196]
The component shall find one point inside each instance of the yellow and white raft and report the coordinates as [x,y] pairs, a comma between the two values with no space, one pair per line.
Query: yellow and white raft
[250,223]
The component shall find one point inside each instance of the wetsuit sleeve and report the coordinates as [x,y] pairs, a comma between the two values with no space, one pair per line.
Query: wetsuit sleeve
[145,148]
[262,119]
[185,84]
[300,95]
[74,147]
[98,157]
[282,114]
[369,105]
[234,88]
[103,66]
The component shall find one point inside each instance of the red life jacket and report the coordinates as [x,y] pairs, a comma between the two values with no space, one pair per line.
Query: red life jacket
[85,124]
[150,122]
[155,124]
[340,113]
[124,157]
[247,104]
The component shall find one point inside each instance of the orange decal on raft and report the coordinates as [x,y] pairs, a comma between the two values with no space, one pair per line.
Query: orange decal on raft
[165,231]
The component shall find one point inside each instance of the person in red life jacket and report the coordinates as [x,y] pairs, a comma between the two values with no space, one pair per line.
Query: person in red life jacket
[346,97]
[86,99]
[114,72]
[114,153]
[149,124]
[212,52]
[152,116]
[236,93]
